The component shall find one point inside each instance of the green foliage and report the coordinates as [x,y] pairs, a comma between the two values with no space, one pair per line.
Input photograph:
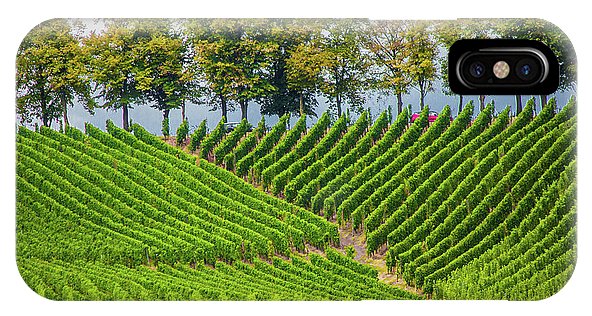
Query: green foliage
[166,128]
[245,146]
[212,140]
[467,209]
[550,35]
[182,132]
[166,76]
[336,188]
[231,140]
[350,252]
[288,35]
[324,145]
[338,150]
[305,145]
[421,62]
[332,173]
[197,136]
[344,67]
[233,60]
[113,64]
[282,148]
[50,74]
[265,146]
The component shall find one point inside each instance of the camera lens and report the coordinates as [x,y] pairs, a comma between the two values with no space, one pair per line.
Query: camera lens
[477,69]
[527,69]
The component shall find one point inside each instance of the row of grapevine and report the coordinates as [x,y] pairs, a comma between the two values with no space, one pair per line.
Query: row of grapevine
[316,230]
[167,248]
[140,216]
[388,183]
[220,193]
[197,136]
[443,155]
[295,279]
[453,191]
[37,223]
[379,147]
[245,146]
[441,182]
[540,250]
[304,145]
[492,229]
[280,181]
[282,148]
[230,141]
[377,178]
[175,198]
[411,135]
[244,165]
[344,145]
[212,139]
[491,191]
[505,164]
[305,195]
[153,207]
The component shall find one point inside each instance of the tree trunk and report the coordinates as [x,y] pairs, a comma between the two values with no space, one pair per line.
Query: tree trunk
[65,110]
[165,118]
[244,105]
[301,104]
[421,97]
[44,116]
[421,104]
[338,99]
[183,116]
[125,117]
[460,103]
[543,101]
[399,103]
[46,121]
[224,107]
[518,104]
[481,102]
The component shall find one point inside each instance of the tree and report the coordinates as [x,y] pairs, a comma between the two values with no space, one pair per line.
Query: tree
[421,61]
[345,64]
[252,80]
[165,71]
[113,65]
[50,74]
[385,40]
[233,63]
[287,97]
[303,73]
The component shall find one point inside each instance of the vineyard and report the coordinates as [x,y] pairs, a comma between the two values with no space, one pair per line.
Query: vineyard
[475,207]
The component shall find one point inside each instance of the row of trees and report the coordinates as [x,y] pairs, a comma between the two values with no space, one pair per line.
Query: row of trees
[282,64]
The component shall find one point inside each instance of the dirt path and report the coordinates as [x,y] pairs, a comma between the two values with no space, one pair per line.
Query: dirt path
[348,237]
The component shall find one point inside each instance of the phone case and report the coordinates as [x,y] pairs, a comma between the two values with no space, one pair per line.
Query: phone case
[287,159]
